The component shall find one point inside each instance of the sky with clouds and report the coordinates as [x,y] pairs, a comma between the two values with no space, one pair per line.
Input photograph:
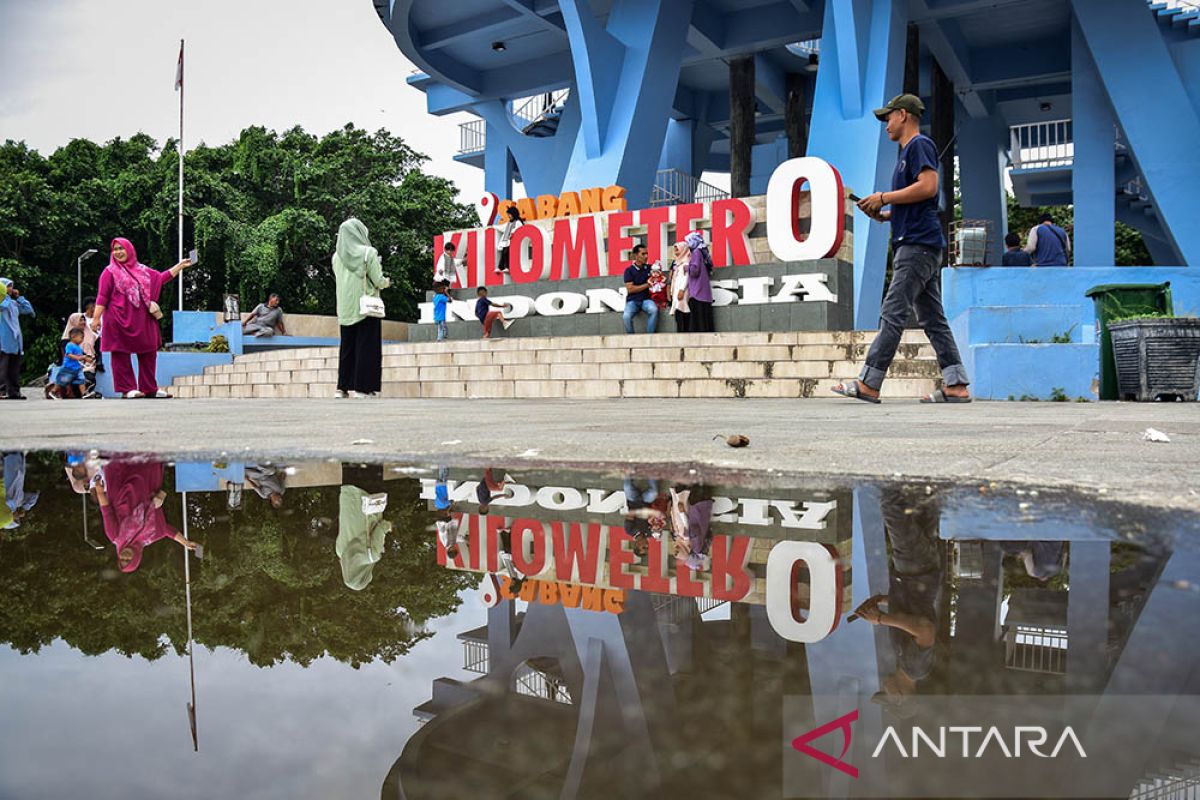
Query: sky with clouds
[103,68]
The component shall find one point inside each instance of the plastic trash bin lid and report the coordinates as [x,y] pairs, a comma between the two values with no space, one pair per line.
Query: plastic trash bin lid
[1112,287]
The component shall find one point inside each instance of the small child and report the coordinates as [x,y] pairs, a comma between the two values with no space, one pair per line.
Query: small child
[70,380]
[441,299]
[1014,256]
[485,313]
[658,286]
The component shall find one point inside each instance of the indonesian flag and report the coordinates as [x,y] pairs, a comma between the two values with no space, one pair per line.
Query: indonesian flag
[179,69]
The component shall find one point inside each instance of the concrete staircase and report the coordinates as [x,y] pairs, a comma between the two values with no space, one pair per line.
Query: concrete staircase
[791,364]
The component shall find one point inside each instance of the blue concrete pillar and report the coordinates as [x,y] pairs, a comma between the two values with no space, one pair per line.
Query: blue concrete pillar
[626,73]
[1087,616]
[981,163]
[497,164]
[677,147]
[1093,176]
[862,65]
[1156,114]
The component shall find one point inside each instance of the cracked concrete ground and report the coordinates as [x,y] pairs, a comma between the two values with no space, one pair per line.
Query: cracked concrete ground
[1085,445]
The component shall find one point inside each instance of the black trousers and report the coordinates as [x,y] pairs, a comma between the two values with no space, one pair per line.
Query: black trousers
[701,317]
[360,357]
[10,373]
[502,265]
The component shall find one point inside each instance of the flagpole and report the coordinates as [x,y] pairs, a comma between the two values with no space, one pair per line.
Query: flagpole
[179,83]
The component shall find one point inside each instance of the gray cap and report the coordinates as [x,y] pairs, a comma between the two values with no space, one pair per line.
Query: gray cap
[909,102]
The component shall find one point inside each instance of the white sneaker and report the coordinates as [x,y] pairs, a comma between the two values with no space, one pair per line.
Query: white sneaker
[135,394]
[339,395]
[359,395]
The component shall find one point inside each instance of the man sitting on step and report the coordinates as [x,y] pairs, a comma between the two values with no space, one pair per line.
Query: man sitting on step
[265,319]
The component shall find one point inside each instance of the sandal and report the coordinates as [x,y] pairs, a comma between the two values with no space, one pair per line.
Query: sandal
[850,389]
[940,396]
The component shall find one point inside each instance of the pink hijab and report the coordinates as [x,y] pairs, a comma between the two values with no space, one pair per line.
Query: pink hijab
[134,280]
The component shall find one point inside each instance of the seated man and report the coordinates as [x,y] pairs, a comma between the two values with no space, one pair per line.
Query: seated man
[264,319]
[637,288]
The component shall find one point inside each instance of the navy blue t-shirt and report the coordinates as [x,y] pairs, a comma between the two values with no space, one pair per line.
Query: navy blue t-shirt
[637,276]
[482,307]
[916,223]
[1016,258]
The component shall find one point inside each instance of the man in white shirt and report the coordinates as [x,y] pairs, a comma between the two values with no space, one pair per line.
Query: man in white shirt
[447,267]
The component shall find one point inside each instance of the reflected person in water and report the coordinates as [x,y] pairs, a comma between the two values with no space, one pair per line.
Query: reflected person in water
[131,497]
[916,582]
[362,535]
[17,502]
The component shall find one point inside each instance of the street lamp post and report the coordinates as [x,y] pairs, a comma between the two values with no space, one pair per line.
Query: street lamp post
[79,276]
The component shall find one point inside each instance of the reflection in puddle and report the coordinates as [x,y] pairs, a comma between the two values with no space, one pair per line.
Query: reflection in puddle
[452,632]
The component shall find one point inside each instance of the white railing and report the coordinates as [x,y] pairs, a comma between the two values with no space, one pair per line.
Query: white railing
[672,187]
[535,683]
[472,136]
[1042,144]
[1167,789]
[1186,5]
[1033,648]
[526,111]
[809,47]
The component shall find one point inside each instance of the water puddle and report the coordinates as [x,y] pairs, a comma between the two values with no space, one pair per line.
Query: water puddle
[320,629]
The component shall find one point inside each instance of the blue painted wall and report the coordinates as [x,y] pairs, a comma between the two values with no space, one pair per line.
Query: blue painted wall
[997,312]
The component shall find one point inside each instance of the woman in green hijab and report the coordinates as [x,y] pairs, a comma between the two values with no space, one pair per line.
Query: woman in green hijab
[361,537]
[358,274]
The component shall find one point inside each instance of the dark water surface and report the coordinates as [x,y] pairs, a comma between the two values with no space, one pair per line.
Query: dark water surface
[393,631]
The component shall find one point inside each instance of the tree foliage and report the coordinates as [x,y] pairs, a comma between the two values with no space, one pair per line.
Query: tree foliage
[270,584]
[263,211]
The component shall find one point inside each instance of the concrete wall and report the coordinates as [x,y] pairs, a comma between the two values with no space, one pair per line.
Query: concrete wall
[790,316]
[1004,319]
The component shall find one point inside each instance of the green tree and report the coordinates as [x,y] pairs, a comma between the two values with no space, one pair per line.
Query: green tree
[263,210]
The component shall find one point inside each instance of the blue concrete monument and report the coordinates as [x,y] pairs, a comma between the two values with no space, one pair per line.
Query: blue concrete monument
[1092,103]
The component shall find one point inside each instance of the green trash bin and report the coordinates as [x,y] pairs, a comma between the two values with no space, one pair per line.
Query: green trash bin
[1116,301]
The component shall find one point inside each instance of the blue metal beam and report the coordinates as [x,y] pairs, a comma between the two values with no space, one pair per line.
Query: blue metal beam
[1157,116]
[1093,172]
[1037,61]
[945,40]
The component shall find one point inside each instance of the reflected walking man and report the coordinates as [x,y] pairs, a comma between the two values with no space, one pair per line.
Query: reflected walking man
[915,588]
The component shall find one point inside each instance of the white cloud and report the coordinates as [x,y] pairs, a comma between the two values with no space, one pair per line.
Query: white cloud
[103,68]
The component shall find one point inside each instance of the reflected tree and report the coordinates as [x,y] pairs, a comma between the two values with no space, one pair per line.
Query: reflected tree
[270,584]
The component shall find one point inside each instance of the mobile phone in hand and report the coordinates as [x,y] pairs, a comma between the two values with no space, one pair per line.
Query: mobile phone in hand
[855,198]
[193,256]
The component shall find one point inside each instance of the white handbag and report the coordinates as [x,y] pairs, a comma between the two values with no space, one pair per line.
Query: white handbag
[374,503]
[371,306]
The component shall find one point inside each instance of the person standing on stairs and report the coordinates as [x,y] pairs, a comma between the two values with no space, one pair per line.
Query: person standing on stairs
[1048,244]
[917,245]
[358,275]
[506,234]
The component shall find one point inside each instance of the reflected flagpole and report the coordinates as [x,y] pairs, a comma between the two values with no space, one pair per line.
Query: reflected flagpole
[179,88]
[187,583]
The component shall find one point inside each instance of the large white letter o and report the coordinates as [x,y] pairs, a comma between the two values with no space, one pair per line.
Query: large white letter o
[828,223]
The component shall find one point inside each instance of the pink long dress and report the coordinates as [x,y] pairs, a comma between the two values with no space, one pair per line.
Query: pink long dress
[128,327]
[130,518]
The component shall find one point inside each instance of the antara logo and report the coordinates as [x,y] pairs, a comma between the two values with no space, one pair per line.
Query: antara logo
[841,723]
[940,743]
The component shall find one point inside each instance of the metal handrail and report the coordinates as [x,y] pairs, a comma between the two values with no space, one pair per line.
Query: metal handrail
[672,187]
[1042,144]
[537,107]
[472,137]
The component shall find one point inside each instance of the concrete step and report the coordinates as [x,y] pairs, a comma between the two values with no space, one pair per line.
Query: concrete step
[670,365]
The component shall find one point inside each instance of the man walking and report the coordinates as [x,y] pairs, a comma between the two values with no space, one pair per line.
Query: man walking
[637,292]
[917,245]
[12,344]
[1048,244]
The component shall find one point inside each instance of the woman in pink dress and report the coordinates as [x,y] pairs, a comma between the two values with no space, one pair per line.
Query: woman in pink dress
[131,498]
[129,290]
